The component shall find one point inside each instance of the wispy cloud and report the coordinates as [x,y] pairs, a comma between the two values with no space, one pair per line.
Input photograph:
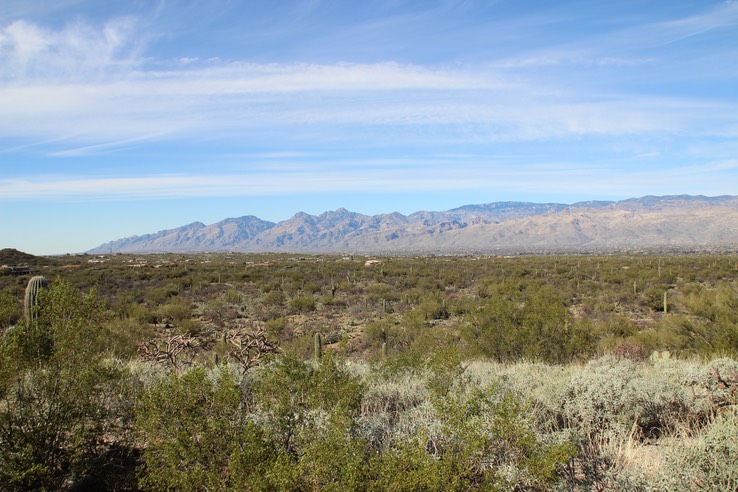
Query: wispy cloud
[632,44]
[275,183]
[93,88]
[398,175]
[103,147]
[78,51]
[721,16]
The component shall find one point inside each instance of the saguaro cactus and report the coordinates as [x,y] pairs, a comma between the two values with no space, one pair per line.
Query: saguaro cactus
[666,302]
[30,305]
[318,347]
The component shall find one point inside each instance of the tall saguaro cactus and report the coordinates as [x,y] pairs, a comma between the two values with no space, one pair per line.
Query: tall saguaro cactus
[318,347]
[666,302]
[30,304]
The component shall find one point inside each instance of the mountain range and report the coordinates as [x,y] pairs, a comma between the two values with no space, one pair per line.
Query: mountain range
[650,222]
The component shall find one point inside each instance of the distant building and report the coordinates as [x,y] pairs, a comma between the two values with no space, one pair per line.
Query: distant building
[15,270]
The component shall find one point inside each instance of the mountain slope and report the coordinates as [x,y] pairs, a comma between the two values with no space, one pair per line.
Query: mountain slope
[682,221]
[222,236]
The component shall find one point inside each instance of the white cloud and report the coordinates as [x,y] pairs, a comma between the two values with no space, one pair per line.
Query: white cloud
[629,46]
[29,53]
[725,15]
[90,89]
[219,185]
[389,175]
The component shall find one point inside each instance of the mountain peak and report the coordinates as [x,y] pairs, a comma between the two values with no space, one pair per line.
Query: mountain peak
[654,222]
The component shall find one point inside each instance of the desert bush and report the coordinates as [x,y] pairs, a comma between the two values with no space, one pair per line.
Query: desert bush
[59,398]
[274,298]
[612,394]
[10,312]
[124,336]
[715,385]
[407,466]
[388,407]
[294,396]
[198,436]
[276,327]
[511,326]
[175,310]
[707,461]
[52,424]
[160,295]
[333,457]
[544,387]
[488,441]
[301,303]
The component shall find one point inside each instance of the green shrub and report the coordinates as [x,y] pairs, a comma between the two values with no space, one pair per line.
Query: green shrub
[59,398]
[294,396]
[275,327]
[10,312]
[302,303]
[274,298]
[488,440]
[198,436]
[333,457]
[407,467]
[175,310]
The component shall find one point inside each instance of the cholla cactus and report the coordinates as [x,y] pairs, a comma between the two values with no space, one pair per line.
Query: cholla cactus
[30,305]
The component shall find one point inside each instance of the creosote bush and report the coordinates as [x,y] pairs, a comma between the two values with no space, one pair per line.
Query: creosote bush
[199,436]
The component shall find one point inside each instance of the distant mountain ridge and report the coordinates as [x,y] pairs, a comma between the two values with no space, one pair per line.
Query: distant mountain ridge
[677,221]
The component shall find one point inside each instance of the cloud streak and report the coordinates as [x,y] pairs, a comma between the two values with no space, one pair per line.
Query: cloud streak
[400,176]
[92,89]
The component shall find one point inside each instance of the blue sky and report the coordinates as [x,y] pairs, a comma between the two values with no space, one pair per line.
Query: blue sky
[128,117]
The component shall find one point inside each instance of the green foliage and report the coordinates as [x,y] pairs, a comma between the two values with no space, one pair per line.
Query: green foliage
[302,303]
[275,327]
[488,441]
[274,298]
[198,436]
[53,422]
[176,310]
[125,335]
[294,395]
[59,398]
[532,324]
[406,467]
[333,457]
[10,313]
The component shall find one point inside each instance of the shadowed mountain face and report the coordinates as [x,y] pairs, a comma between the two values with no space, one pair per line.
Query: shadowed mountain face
[694,222]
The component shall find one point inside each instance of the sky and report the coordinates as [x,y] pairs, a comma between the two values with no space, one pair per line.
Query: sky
[127,117]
